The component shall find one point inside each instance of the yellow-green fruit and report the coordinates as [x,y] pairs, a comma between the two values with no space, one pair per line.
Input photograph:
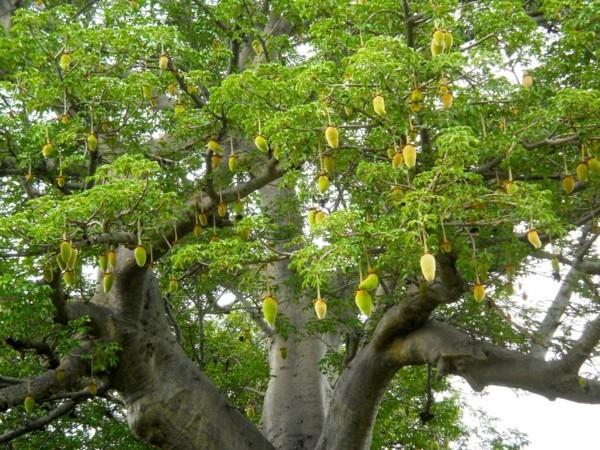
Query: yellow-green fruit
[173,284]
[203,219]
[311,216]
[379,105]
[48,150]
[178,108]
[283,352]
[416,106]
[511,187]
[29,404]
[197,230]
[238,207]
[92,142]
[69,277]
[447,99]
[147,91]
[568,183]
[370,282]
[446,246]
[320,217]
[332,136]
[443,86]
[534,238]
[103,263]
[428,266]
[416,95]
[436,49]
[527,80]
[107,282]
[364,302]
[215,161]
[61,263]
[348,111]
[438,38]
[111,256]
[65,61]
[594,165]
[410,155]
[328,163]
[163,62]
[192,89]
[65,250]
[214,146]
[261,143]
[269,308]
[320,308]
[92,388]
[73,259]
[222,209]
[48,273]
[323,182]
[59,374]
[397,160]
[582,171]
[479,292]
[65,119]
[232,163]
[60,181]
[172,88]
[140,255]
[448,40]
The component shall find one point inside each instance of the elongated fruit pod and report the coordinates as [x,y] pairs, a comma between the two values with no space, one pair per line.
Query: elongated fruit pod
[379,105]
[417,95]
[328,163]
[320,217]
[107,282]
[203,219]
[582,171]
[320,308]
[364,302]
[269,308]
[61,263]
[60,181]
[92,388]
[479,292]
[370,282]
[48,273]
[215,161]
[222,209]
[311,216]
[568,183]
[594,165]
[65,251]
[436,49]
[48,150]
[214,146]
[447,99]
[238,207]
[69,277]
[438,38]
[29,404]
[428,266]
[111,257]
[323,183]
[65,61]
[140,255]
[73,259]
[163,62]
[448,40]
[410,155]
[332,136]
[397,160]
[232,163]
[534,238]
[261,143]
[103,263]
[92,142]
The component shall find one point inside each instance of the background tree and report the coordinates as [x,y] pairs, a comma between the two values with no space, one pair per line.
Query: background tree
[373,175]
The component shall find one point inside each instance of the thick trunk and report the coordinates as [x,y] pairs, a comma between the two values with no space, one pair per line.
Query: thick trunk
[170,402]
[297,395]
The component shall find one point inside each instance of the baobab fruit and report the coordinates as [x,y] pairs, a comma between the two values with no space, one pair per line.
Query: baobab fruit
[147,91]
[178,108]
[173,284]
[568,183]
[111,256]
[60,181]
[364,302]
[510,187]
[416,96]
[192,89]
[594,165]
[320,217]
[582,171]
[238,207]
[436,49]
[311,216]
[48,149]
[332,136]
[410,155]
[328,163]
[534,238]
[65,61]
[479,292]
[416,106]
[163,62]
[269,308]
[232,163]
[379,105]
[527,80]
[29,404]
[370,282]
[73,259]
[438,38]
[103,263]
[448,40]
[140,255]
[397,160]
[92,388]
[59,374]
[92,142]
[428,266]
[320,308]
[65,250]
[197,230]
[215,161]
[447,99]
[214,146]
[107,282]
[323,182]
[203,219]
[172,88]
[222,209]
[48,273]
[261,143]
[69,277]
[443,86]
[446,246]
[61,263]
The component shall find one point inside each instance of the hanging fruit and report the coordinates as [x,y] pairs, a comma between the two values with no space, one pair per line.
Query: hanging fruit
[111,256]
[103,262]
[203,219]
[107,281]
[320,308]
[48,273]
[163,61]
[197,230]
[364,302]
[214,146]
[60,181]
[323,182]
[29,404]
[443,86]
[232,163]
[269,308]
[311,216]
[92,142]
[594,165]
[320,217]
[238,207]
[65,61]
[328,163]
[397,159]
[92,387]
[140,255]
[283,352]
[446,246]
[370,282]
[534,238]
[69,277]
[437,43]
[409,153]
[261,143]
[479,292]
[332,136]
[447,99]
[65,249]
[582,171]
[222,209]
[527,80]
[568,183]
[48,149]
[215,161]
[379,105]
[172,88]
[447,40]
[428,266]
